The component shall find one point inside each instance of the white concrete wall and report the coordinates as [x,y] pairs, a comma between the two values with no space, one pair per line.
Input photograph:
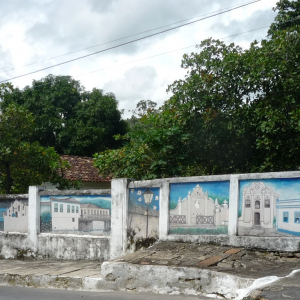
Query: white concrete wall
[55,246]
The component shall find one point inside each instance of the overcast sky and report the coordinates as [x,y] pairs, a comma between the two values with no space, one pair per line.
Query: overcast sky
[34,30]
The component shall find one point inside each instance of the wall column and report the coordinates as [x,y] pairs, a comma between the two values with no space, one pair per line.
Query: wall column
[119,217]
[164,213]
[34,213]
[233,205]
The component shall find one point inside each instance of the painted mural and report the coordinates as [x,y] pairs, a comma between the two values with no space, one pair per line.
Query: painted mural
[14,215]
[269,207]
[199,208]
[143,211]
[80,214]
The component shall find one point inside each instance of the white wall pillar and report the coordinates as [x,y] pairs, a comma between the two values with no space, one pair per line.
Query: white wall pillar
[233,205]
[34,213]
[164,205]
[119,217]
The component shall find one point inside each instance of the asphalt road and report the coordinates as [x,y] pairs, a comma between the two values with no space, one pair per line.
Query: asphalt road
[16,293]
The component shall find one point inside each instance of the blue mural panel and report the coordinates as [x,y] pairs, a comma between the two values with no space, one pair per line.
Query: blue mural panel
[79,214]
[143,209]
[199,208]
[269,207]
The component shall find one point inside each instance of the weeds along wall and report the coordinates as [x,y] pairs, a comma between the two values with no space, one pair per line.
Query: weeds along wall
[56,224]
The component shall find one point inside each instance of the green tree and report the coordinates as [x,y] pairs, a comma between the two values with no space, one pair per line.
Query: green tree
[67,117]
[288,15]
[236,111]
[143,107]
[22,162]
[96,120]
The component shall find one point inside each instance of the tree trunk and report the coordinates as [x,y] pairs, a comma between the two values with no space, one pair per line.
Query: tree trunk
[9,180]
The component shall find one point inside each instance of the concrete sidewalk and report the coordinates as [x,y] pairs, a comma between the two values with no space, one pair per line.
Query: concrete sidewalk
[168,267]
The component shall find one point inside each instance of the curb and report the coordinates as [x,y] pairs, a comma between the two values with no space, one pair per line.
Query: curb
[53,282]
[122,276]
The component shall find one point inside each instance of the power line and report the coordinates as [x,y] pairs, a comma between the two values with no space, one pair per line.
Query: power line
[165,53]
[130,42]
[111,41]
[236,34]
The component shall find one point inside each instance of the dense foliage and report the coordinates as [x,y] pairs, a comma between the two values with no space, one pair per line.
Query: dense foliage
[23,162]
[67,117]
[236,111]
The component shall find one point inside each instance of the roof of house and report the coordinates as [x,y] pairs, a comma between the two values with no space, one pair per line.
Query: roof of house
[89,205]
[68,200]
[82,168]
[142,211]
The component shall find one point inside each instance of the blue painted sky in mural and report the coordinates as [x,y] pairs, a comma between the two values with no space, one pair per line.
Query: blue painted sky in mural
[287,188]
[103,201]
[136,197]
[215,189]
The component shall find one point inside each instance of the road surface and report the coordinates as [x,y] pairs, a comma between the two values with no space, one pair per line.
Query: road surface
[17,293]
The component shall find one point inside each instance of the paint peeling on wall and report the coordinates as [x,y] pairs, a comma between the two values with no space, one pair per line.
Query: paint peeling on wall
[199,208]
[143,218]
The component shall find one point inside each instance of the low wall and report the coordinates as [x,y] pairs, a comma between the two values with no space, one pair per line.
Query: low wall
[55,246]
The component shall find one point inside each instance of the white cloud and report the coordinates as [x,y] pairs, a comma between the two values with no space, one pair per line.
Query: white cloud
[33,30]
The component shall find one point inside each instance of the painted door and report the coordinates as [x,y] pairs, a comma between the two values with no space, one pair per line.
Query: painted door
[256,218]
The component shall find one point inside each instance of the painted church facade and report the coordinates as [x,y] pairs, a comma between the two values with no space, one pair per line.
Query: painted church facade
[258,206]
[199,209]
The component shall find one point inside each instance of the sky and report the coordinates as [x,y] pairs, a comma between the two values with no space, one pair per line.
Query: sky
[215,189]
[33,31]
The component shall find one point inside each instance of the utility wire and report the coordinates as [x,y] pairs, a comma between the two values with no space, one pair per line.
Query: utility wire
[111,41]
[133,61]
[236,34]
[130,42]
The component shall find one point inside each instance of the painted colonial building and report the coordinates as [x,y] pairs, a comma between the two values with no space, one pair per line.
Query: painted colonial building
[198,209]
[16,216]
[65,213]
[258,206]
[88,209]
[94,218]
[288,216]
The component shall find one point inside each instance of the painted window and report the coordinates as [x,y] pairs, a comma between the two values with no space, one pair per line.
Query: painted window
[68,208]
[267,203]
[247,203]
[73,209]
[297,216]
[55,207]
[61,208]
[257,204]
[285,217]
[77,210]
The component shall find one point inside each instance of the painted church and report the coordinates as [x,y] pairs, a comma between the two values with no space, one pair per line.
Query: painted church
[258,206]
[199,209]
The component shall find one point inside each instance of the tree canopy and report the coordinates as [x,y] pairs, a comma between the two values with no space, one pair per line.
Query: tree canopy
[69,118]
[23,162]
[237,110]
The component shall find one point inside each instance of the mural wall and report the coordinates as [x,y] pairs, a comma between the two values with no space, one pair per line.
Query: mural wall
[199,208]
[143,210]
[79,214]
[269,207]
[14,215]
